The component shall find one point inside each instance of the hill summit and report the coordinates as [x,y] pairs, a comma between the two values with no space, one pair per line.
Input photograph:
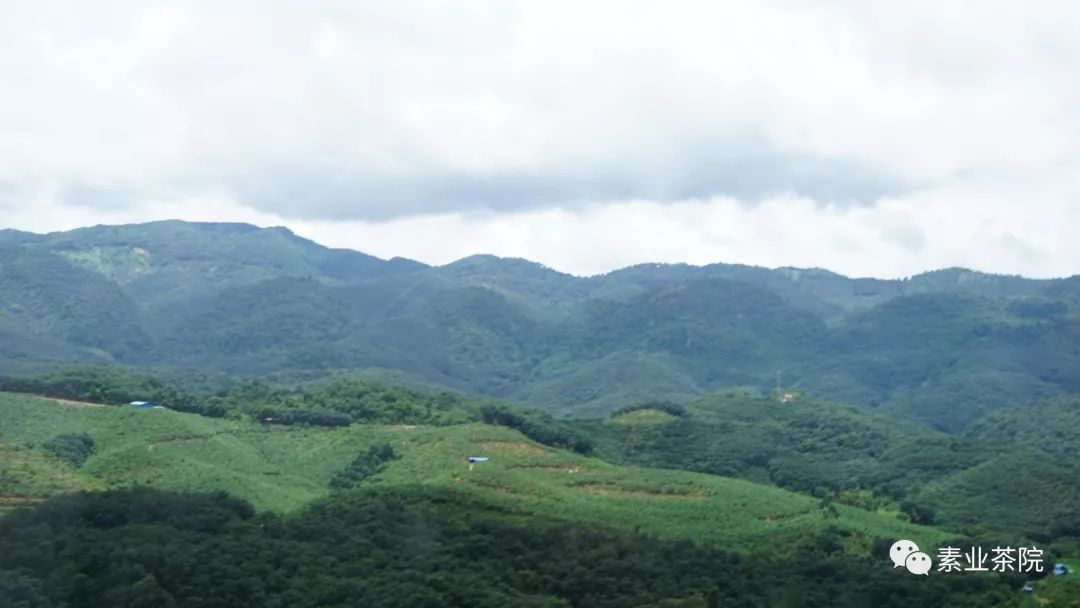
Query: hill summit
[941,348]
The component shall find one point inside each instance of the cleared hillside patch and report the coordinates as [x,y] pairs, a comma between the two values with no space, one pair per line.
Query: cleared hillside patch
[643,417]
[284,469]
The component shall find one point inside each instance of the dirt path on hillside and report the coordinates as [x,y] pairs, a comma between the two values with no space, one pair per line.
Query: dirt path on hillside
[194,438]
[19,501]
[605,490]
[70,403]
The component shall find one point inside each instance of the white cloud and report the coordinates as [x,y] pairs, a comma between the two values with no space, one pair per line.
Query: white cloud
[872,138]
[893,238]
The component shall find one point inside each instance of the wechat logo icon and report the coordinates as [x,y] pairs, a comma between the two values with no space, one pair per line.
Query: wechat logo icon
[906,553]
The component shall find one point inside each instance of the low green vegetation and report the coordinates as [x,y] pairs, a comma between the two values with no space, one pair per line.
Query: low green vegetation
[331,403]
[997,480]
[365,465]
[644,417]
[291,471]
[1057,591]
[28,475]
[284,469]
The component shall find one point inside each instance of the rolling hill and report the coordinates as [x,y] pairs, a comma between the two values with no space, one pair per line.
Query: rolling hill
[941,348]
[1009,474]
[168,508]
[285,469]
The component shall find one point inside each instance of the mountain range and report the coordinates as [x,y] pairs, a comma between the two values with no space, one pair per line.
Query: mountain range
[941,348]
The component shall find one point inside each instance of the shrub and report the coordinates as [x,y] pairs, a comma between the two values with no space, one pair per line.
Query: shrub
[73,447]
[664,406]
[364,466]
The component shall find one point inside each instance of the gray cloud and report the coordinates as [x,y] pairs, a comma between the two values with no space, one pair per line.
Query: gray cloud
[341,109]
[908,128]
[313,194]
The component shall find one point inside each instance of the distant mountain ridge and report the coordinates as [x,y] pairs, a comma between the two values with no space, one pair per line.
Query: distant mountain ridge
[941,347]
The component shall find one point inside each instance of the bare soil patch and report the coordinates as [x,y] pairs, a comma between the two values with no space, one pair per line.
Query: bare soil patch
[514,447]
[19,501]
[604,490]
[70,403]
[566,468]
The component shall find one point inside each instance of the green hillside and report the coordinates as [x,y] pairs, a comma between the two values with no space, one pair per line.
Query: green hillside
[1019,487]
[842,455]
[45,296]
[1051,425]
[144,547]
[283,469]
[941,348]
[1058,591]
[1010,475]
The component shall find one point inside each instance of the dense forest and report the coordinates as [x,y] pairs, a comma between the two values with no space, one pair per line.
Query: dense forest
[148,549]
[940,348]
[1006,475]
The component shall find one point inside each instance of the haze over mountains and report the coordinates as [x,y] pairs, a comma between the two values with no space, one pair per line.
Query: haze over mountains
[940,348]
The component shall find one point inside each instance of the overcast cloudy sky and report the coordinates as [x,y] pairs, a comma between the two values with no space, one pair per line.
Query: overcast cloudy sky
[584,135]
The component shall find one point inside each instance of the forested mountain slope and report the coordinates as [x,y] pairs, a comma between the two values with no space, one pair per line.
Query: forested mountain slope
[941,348]
[382,470]
[1009,472]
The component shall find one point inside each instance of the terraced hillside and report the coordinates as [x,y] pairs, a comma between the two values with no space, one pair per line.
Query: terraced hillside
[1010,475]
[282,469]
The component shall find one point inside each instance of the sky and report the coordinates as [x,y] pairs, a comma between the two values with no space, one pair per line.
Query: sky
[869,138]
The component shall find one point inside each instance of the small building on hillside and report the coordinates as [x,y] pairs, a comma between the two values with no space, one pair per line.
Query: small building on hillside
[788,397]
[1061,570]
[143,405]
[475,459]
